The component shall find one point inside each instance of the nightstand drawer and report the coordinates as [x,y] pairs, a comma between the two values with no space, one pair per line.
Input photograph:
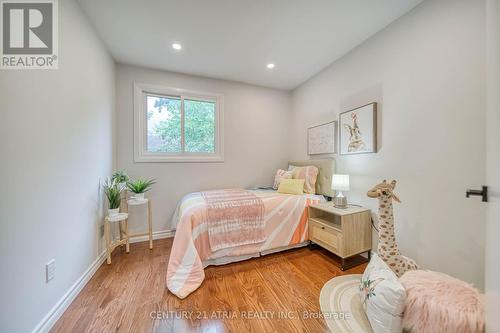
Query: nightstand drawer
[325,235]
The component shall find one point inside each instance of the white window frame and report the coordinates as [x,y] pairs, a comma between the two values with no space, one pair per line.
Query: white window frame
[141,153]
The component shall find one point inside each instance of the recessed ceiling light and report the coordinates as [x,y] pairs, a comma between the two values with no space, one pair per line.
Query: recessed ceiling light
[270,66]
[176,46]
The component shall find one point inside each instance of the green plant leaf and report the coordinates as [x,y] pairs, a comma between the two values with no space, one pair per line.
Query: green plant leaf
[113,191]
[120,176]
[140,185]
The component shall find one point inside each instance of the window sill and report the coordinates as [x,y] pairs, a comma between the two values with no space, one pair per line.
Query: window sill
[179,159]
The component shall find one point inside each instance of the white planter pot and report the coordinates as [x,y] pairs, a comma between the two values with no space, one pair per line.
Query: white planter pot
[113,212]
[139,196]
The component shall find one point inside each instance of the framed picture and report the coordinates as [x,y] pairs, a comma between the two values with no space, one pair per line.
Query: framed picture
[358,130]
[321,139]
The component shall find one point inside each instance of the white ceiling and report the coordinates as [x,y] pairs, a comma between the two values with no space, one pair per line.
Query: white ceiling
[235,39]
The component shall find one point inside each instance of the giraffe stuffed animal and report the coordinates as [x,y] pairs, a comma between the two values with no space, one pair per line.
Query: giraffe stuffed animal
[387,247]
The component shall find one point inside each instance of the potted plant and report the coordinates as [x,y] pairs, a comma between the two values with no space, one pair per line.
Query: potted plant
[121,177]
[113,191]
[139,187]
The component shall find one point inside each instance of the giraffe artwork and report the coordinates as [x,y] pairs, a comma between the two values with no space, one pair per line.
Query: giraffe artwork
[387,247]
[356,142]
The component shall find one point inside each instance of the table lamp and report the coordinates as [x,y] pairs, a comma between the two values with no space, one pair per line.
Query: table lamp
[340,183]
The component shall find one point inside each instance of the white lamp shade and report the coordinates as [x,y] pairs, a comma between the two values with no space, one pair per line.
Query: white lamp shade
[340,182]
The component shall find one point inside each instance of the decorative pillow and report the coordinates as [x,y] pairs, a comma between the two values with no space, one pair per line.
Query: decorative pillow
[281,174]
[291,186]
[382,296]
[309,174]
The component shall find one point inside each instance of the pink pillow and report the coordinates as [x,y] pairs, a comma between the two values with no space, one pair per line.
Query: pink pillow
[281,174]
[309,174]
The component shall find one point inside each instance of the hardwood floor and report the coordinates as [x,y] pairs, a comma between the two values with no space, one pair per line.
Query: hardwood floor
[267,294]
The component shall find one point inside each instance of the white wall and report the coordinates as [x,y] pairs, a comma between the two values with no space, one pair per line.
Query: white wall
[256,122]
[492,274]
[56,142]
[427,72]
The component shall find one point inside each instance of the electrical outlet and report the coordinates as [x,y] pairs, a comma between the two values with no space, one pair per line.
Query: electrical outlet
[50,270]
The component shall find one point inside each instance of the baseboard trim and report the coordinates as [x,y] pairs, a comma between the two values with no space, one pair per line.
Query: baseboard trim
[156,235]
[56,312]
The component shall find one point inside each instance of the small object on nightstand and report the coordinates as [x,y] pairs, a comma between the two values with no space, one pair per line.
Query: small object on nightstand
[345,232]
[340,183]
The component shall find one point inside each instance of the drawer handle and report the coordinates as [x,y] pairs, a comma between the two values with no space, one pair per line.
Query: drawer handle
[322,228]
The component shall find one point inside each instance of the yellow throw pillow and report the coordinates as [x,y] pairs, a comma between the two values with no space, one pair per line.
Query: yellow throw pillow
[281,174]
[291,186]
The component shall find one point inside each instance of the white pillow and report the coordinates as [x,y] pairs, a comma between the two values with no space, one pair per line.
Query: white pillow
[382,296]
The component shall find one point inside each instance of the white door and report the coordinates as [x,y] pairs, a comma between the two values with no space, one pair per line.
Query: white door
[492,262]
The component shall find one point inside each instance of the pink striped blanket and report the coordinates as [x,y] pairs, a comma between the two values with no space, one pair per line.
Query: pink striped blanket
[234,217]
[285,225]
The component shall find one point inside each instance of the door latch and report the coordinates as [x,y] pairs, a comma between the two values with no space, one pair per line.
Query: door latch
[483,193]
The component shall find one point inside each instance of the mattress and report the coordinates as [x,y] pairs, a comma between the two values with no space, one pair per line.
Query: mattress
[285,226]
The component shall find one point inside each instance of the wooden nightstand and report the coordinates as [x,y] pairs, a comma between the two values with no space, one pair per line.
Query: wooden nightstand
[344,232]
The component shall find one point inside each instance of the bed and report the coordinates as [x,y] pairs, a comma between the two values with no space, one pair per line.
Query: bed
[285,227]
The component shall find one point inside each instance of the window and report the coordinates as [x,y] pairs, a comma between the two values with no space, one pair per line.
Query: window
[174,125]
